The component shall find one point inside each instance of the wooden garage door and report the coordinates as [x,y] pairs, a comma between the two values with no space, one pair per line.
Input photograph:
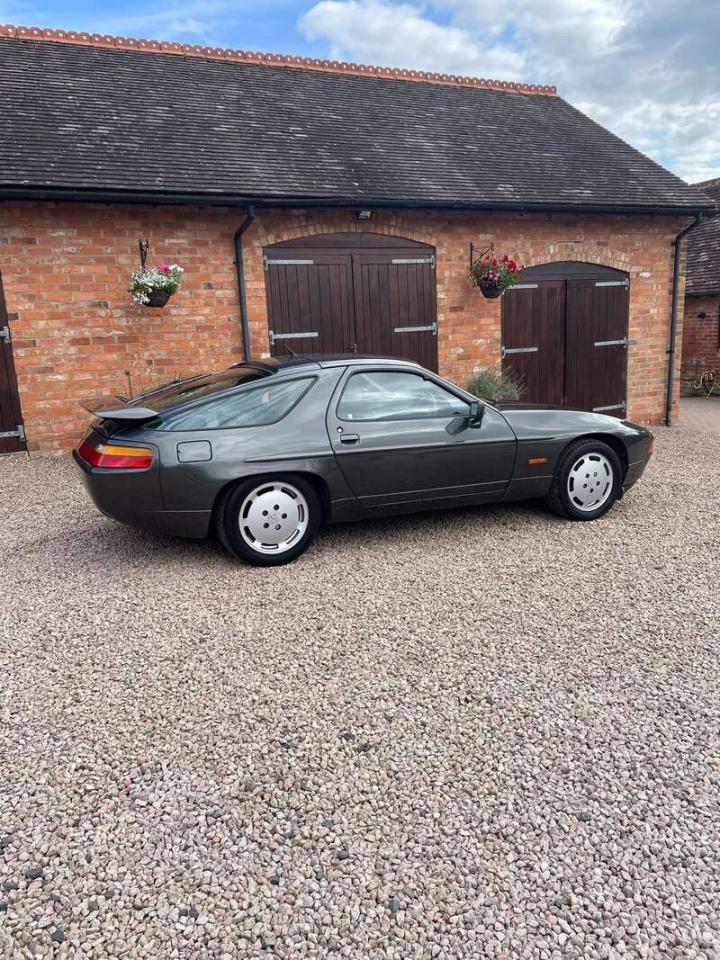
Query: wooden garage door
[12,435]
[356,293]
[565,335]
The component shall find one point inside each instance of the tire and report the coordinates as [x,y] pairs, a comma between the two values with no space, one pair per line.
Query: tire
[268,521]
[587,481]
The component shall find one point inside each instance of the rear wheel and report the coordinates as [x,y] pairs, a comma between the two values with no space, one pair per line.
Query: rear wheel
[267,521]
[586,482]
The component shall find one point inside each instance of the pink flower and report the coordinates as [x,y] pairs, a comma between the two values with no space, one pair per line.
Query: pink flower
[164,267]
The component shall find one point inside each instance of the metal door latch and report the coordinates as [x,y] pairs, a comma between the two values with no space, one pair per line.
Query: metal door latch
[504,351]
[292,336]
[612,343]
[18,434]
[432,327]
[610,406]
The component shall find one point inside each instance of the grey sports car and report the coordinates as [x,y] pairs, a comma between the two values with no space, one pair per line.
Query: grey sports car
[265,452]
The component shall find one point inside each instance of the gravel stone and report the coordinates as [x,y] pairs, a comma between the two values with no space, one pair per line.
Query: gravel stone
[175,747]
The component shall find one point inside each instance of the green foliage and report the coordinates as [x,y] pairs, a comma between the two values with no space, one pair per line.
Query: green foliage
[490,383]
[166,278]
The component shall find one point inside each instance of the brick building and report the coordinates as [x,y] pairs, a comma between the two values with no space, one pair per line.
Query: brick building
[319,206]
[701,325]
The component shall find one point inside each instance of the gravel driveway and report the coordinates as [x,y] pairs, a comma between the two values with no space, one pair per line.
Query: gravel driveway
[488,733]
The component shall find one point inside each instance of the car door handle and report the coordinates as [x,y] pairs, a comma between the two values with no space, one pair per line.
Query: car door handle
[349,438]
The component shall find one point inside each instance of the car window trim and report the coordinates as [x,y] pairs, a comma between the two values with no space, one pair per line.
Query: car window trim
[246,388]
[416,373]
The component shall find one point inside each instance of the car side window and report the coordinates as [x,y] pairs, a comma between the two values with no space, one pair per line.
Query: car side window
[393,395]
[251,408]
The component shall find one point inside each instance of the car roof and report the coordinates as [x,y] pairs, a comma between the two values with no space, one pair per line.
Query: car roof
[280,364]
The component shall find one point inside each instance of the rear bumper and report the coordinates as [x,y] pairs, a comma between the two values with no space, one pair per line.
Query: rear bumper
[136,500]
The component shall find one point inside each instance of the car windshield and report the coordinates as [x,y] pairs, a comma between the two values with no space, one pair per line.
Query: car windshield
[198,388]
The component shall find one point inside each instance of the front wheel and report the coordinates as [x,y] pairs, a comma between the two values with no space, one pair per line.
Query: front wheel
[587,481]
[267,521]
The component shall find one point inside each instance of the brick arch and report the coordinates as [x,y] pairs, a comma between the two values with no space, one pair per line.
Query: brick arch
[570,269]
[583,253]
[345,239]
[265,234]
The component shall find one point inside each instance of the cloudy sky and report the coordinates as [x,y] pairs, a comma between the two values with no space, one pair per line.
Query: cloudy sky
[647,69]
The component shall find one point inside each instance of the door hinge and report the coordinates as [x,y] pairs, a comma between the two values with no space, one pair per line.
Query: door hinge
[431,326]
[18,434]
[612,343]
[611,406]
[613,283]
[5,334]
[522,286]
[292,336]
[504,351]
[429,260]
[272,262]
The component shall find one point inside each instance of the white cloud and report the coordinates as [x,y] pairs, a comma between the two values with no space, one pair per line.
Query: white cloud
[374,31]
[646,69]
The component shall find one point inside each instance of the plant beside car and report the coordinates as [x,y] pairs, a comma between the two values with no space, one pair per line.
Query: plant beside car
[153,286]
[491,384]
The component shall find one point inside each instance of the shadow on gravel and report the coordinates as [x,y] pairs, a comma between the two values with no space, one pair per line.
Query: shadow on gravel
[108,541]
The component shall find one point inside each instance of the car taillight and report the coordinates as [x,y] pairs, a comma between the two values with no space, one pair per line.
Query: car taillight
[115,457]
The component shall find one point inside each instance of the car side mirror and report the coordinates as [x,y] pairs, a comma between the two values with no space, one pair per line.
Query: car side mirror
[461,422]
[475,417]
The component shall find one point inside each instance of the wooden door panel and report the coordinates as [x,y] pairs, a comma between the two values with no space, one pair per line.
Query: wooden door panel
[310,302]
[597,325]
[533,335]
[10,415]
[395,305]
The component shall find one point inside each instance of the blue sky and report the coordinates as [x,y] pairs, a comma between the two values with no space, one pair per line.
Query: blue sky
[647,69]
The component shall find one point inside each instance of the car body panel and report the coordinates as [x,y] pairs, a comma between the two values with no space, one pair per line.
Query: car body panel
[396,466]
[404,462]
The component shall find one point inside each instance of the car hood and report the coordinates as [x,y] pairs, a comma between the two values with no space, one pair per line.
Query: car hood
[534,420]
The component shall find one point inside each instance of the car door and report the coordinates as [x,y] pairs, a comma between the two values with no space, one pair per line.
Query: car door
[400,438]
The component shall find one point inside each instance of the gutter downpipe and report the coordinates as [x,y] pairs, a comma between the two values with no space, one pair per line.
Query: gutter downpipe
[677,244]
[240,270]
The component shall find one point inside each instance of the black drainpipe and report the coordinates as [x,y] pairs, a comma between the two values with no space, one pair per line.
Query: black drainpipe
[249,217]
[677,243]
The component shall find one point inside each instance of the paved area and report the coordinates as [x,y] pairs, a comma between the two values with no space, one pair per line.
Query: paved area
[700,413]
[482,734]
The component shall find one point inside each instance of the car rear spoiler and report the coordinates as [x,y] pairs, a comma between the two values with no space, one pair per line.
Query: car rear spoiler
[115,408]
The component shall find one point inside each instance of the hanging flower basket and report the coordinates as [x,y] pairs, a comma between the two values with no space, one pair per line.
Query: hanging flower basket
[490,290]
[492,276]
[157,298]
[154,286]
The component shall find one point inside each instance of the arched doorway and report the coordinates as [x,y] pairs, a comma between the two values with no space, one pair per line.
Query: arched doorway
[565,335]
[352,292]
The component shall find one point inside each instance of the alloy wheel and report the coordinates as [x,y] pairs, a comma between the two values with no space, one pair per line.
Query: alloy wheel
[590,482]
[273,517]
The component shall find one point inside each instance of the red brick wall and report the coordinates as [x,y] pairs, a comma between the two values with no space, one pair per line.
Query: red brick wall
[66,268]
[701,340]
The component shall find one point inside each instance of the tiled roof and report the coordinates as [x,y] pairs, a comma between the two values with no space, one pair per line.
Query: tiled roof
[703,255]
[111,116]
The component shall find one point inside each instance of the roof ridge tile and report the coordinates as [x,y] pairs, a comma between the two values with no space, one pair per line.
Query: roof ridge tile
[268,59]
